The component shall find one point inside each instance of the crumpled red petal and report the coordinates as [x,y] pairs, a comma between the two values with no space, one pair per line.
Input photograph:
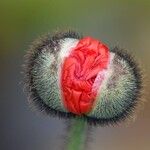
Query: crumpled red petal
[78,74]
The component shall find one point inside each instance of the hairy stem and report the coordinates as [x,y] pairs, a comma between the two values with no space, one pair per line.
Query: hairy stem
[77,135]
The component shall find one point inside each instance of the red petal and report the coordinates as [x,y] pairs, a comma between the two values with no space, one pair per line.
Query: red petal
[78,74]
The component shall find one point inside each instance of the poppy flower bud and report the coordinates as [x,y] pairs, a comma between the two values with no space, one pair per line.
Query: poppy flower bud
[74,76]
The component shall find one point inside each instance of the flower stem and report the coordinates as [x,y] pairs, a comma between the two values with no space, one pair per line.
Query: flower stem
[77,135]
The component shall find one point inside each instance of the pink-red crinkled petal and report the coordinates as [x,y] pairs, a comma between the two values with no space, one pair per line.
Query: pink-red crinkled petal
[78,74]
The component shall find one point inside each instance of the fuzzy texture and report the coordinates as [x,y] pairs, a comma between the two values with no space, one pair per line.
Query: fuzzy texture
[41,75]
[118,92]
[116,102]
[132,92]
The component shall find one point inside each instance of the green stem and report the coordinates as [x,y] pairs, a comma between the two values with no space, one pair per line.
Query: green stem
[77,135]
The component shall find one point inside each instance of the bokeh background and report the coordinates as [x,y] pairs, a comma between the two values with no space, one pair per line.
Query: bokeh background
[123,23]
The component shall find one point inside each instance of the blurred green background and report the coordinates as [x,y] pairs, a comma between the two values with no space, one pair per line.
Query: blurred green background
[123,23]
